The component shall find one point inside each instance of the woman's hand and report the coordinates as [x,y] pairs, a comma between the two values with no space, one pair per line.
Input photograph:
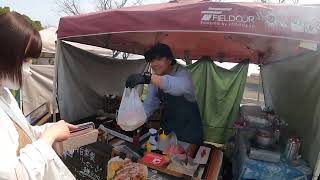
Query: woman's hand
[71,126]
[58,131]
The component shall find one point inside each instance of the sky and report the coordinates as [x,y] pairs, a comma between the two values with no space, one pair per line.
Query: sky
[48,13]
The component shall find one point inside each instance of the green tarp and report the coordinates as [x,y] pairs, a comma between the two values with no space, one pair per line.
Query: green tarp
[219,93]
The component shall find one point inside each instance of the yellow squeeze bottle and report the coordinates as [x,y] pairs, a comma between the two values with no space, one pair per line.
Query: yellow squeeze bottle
[148,147]
[162,141]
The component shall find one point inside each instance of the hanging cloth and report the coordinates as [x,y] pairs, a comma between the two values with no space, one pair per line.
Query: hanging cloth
[218,93]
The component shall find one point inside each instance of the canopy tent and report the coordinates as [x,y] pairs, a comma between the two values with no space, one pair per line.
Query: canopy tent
[227,32]
[37,88]
[48,37]
[195,29]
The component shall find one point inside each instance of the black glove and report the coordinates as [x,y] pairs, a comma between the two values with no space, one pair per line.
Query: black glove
[136,79]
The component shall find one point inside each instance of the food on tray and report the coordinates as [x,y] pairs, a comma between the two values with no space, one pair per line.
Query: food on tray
[114,164]
[132,171]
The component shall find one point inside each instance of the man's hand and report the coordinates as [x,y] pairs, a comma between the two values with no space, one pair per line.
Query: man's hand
[136,79]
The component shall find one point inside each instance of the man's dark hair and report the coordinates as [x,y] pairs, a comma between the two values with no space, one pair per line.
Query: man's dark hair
[159,51]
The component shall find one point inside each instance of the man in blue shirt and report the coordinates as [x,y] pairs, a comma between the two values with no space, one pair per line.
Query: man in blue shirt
[171,89]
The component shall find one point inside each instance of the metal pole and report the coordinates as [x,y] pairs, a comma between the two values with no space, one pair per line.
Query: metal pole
[54,103]
[187,57]
[316,169]
[259,85]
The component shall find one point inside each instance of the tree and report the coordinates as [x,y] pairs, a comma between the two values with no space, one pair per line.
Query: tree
[72,7]
[115,4]
[4,10]
[282,1]
[36,24]
[69,7]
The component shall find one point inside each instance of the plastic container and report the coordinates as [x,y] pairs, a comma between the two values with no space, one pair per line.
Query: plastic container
[162,141]
[153,139]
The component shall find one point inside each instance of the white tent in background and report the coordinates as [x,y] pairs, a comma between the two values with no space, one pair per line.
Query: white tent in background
[38,88]
[49,38]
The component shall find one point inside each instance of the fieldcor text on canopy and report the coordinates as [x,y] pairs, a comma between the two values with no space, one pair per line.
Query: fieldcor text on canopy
[215,14]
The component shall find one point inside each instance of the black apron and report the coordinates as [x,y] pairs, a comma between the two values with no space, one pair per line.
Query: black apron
[182,117]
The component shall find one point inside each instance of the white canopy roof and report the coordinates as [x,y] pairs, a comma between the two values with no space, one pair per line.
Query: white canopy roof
[49,38]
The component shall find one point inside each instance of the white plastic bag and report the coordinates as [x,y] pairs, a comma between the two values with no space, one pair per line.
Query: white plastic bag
[131,113]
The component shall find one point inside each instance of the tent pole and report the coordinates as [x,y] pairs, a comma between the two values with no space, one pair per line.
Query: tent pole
[157,38]
[187,57]
[259,85]
[53,106]
[262,86]
[316,169]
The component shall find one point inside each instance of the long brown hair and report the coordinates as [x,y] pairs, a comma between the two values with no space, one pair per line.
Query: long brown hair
[18,42]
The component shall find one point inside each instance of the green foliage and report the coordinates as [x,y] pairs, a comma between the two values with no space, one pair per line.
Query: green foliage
[36,24]
[4,10]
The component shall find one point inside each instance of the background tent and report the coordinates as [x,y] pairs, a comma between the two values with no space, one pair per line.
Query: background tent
[84,78]
[38,88]
[49,38]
